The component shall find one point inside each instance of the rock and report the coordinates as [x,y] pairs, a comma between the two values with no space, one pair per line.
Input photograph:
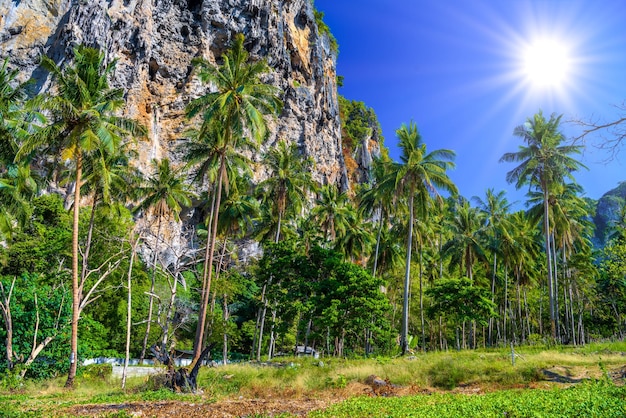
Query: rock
[155,41]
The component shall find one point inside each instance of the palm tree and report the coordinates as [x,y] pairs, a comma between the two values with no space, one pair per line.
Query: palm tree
[239,103]
[285,188]
[377,200]
[465,246]
[417,176]
[83,120]
[165,193]
[495,209]
[331,211]
[356,239]
[545,162]
[288,182]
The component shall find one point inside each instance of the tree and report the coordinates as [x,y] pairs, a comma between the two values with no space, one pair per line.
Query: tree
[545,162]
[331,211]
[239,103]
[460,300]
[495,208]
[377,201]
[84,119]
[288,182]
[417,176]
[165,192]
[465,246]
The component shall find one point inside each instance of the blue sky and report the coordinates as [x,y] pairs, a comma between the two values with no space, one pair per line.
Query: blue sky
[456,69]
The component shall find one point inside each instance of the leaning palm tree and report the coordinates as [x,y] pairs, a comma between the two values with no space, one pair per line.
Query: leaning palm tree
[418,175]
[238,104]
[83,119]
[545,162]
[165,193]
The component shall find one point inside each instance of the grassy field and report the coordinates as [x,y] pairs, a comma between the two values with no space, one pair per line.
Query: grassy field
[543,382]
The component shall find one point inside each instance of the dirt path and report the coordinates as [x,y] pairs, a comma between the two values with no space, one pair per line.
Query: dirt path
[221,409]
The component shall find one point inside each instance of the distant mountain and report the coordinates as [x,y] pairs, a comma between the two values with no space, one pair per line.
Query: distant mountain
[608,211]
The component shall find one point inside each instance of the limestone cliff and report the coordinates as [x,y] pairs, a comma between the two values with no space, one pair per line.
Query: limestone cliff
[155,41]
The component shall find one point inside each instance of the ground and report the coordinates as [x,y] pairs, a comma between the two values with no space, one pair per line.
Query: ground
[272,405]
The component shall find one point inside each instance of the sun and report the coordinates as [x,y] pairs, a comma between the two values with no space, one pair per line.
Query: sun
[546,63]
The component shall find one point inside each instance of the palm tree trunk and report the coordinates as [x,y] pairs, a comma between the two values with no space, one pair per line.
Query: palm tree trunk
[278,226]
[493,295]
[129,309]
[208,265]
[546,223]
[378,236]
[422,300]
[89,237]
[225,336]
[404,342]
[144,344]
[555,290]
[75,285]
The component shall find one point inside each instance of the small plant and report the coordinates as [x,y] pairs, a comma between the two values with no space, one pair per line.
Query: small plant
[338,382]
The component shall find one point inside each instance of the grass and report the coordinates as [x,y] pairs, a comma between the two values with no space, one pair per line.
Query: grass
[491,370]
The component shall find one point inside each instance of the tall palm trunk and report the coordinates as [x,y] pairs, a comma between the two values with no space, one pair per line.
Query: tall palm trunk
[208,265]
[144,344]
[546,223]
[404,341]
[75,285]
[265,302]
[493,295]
[378,236]
[129,308]
[422,297]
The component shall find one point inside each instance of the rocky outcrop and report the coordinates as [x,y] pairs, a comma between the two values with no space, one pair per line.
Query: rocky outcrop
[154,42]
[608,211]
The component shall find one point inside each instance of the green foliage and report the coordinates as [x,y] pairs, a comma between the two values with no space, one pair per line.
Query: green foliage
[44,244]
[325,30]
[590,399]
[95,372]
[460,300]
[357,121]
[36,301]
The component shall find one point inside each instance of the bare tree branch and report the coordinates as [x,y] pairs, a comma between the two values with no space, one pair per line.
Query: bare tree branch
[607,136]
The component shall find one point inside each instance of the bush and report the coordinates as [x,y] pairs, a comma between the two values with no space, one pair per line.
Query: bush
[446,374]
[96,371]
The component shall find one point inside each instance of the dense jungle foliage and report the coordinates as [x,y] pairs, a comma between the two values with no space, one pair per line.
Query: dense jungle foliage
[90,265]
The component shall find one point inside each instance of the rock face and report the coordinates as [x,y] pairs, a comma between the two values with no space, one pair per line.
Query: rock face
[608,211]
[155,41]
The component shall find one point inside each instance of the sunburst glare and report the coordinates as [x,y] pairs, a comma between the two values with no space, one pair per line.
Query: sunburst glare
[547,63]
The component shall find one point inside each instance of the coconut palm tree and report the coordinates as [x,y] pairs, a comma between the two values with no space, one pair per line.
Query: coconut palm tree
[377,201]
[465,246]
[286,187]
[288,182]
[495,209]
[165,192]
[83,119]
[238,104]
[331,211]
[356,239]
[545,162]
[418,175]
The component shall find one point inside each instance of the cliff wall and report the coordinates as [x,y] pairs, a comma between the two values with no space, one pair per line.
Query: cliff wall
[155,41]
